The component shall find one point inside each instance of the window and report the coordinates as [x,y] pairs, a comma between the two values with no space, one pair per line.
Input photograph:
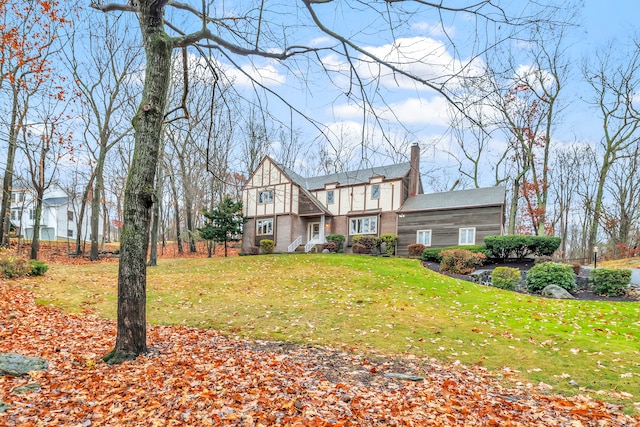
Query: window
[330,197]
[70,217]
[467,236]
[17,196]
[424,237]
[264,226]
[32,214]
[364,225]
[265,196]
[69,233]
[375,192]
[14,214]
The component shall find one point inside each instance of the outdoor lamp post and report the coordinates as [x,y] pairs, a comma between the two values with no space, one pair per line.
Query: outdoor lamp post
[595,257]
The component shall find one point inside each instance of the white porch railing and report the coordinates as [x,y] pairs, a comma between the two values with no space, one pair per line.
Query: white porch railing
[292,247]
[310,244]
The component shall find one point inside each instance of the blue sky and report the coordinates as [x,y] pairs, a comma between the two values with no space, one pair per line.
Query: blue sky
[421,110]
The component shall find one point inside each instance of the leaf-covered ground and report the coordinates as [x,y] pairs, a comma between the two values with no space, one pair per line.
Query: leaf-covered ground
[200,377]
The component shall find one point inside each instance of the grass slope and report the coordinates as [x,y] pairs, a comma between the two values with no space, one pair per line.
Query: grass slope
[386,305]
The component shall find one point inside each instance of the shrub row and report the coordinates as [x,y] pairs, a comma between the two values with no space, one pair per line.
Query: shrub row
[606,281]
[516,246]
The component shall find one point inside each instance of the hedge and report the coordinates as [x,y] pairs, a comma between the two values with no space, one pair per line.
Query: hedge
[518,246]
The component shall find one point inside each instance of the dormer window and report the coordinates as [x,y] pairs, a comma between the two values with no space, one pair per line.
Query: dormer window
[265,196]
[330,197]
[375,192]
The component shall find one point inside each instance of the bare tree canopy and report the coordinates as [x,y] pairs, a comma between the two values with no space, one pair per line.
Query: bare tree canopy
[309,38]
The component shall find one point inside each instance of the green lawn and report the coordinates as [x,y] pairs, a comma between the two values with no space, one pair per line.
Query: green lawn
[385,305]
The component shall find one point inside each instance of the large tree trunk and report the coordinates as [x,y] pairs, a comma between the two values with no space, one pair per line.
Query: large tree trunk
[131,339]
[80,219]
[176,213]
[35,242]
[96,203]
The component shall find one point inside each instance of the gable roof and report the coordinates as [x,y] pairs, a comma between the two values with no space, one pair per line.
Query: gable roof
[490,196]
[55,201]
[397,171]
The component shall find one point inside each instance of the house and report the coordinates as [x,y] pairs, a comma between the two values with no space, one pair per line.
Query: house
[58,220]
[451,218]
[294,211]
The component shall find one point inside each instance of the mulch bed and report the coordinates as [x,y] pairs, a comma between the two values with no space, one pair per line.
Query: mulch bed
[581,294]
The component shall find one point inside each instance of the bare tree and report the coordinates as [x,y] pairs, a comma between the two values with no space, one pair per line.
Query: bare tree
[621,215]
[615,80]
[105,78]
[257,139]
[28,40]
[564,185]
[44,144]
[524,89]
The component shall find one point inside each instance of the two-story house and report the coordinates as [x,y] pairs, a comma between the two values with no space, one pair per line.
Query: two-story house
[292,210]
[58,220]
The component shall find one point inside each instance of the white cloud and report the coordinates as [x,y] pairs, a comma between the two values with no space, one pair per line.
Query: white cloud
[426,58]
[413,111]
[437,30]
[265,73]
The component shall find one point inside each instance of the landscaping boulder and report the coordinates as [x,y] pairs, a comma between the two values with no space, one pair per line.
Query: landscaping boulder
[583,283]
[555,291]
[521,285]
[633,292]
[18,365]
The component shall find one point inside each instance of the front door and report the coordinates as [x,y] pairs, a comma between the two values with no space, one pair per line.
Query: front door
[314,231]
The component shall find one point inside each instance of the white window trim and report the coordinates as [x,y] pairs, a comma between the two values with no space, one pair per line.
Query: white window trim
[418,235]
[259,226]
[271,198]
[466,229]
[353,221]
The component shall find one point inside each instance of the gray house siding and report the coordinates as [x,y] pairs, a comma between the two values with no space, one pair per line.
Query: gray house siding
[446,223]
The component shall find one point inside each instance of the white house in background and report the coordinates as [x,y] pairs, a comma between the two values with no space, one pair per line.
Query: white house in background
[59,218]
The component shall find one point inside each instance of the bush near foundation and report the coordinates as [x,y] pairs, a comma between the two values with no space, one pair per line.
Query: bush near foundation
[416,249]
[266,246]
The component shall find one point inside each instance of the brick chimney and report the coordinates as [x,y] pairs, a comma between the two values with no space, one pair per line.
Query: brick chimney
[415,184]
